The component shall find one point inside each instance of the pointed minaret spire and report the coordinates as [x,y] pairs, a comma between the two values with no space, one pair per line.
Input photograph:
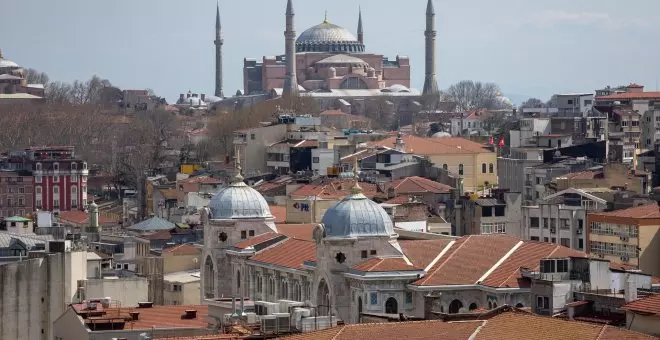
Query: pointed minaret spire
[430,81]
[360,32]
[356,189]
[238,176]
[290,79]
[218,54]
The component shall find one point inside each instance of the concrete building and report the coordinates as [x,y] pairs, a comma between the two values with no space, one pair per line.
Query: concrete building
[182,288]
[650,126]
[35,291]
[16,193]
[536,177]
[578,104]
[625,96]
[494,214]
[473,161]
[184,257]
[628,236]
[612,175]
[643,315]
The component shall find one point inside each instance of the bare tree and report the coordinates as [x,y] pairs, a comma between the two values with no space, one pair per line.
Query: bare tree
[381,112]
[468,94]
[533,103]
[33,76]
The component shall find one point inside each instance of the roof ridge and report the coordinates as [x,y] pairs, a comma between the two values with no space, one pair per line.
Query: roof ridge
[602,331]
[447,259]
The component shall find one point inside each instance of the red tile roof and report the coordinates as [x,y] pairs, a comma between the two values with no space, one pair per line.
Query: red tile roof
[290,254]
[183,249]
[630,95]
[298,231]
[635,86]
[360,154]
[168,194]
[251,242]
[202,180]
[401,199]
[468,259]
[81,217]
[279,212]
[333,189]
[384,265]
[642,211]
[435,146]
[416,184]
[157,236]
[161,317]
[422,252]
[647,305]
[583,175]
[528,255]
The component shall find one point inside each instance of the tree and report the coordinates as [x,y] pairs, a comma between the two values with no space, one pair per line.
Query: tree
[533,103]
[33,76]
[78,92]
[468,94]
[434,128]
[381,112]
[493,122]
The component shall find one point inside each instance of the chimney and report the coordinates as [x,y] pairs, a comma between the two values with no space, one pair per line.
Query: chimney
[630,289]
[134,315]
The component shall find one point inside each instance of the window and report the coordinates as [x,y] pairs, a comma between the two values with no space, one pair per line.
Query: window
[460,169]
[37,166]
[252,136]
[74,166]
[56,166]
[251,233]
[542,302]
[491,168]
[566,242]
[493,228]
[21,190]
[84,165]
[483,168]
[409,297]
[315,159]
[545,223]
[570,102]
[20,202]
[444,167]
[125,266]
[74,178]
[562,266]
[243,234]
[37,179]
[38,203]
[554,240]
[580,244]
[373,252]
[534,238]
[545,239]
[56,179]
[56,190]
[38,190]
[364,254]
[564,223]
[373,298]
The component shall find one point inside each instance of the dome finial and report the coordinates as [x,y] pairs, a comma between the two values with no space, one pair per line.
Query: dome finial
[325,20]
[238,177]
[356,188]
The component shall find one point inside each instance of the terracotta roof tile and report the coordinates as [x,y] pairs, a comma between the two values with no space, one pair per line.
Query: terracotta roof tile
[528,255]
[468,259]
[183,249]
[630,95]
[422,252]
[416,330]
[646,305]
[416,184]
[642,211]
[384,265]
[290,254]
[435,146]
[81,217]
[162,317]
[157,236]
[279,212]
[298,231]
[256,240]
[333,189]
[401,199]
[168,194]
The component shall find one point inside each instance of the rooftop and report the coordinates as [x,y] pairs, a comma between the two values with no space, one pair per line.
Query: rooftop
[377,264]
[201,180]
[332,189]
[81,217]
[279,212]
[291,253]
[156,317]
[435,146]
[639,212]
[182,277]
[649,305]
[416,184]
[299,231]
[183,249]
[630,95]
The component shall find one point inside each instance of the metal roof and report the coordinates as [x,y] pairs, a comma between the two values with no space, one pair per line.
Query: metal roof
[153,224]
[29,240]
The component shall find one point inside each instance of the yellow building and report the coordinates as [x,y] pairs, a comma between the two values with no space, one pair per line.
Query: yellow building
[181,258]
[181,288]
[627,236]
[474,162]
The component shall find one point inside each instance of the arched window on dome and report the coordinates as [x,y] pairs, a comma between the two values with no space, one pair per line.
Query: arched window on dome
[353,83]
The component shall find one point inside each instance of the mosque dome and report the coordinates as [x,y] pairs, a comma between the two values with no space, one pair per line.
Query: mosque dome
[441,134]
[341,60]
[327,37]
[238,201]
[4,63]
[357,216]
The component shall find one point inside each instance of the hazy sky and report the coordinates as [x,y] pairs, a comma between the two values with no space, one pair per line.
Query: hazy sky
[528,47]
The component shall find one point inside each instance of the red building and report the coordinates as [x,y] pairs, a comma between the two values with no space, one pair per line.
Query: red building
[59,178]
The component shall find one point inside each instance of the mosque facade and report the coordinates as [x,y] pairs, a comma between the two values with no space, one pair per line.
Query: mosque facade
[14,84]
[353,262]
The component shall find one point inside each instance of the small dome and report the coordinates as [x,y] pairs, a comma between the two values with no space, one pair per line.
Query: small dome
[504,101]
[342,59]
[441,134]
[238,201]
[357,216]
[396,88]
[192,101]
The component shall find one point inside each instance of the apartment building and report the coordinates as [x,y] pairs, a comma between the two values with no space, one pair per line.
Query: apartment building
[628,236]
[536,177]
[16,193]
[650,130]
[608,176]
[499,213]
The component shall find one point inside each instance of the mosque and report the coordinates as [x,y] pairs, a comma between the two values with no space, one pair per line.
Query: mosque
[13,82]
[354,262]
[333,66]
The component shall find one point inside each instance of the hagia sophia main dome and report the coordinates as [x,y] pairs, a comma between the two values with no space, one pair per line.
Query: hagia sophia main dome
[327,37]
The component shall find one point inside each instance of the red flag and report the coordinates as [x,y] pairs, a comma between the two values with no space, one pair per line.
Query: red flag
[491,140]
[501,143]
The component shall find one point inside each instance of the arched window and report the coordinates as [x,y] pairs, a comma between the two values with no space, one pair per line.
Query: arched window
[353,83]
[391,306]
[491,168]
[444,167]
[460,169]
[483,168]
[238,281]
[455,306]
[209,280]
[473,306]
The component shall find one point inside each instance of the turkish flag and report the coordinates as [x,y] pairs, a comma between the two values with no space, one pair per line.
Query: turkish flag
[491,140]
[501,143]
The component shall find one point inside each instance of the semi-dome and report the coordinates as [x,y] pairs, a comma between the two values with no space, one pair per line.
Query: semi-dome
[441,134]
[327,37]
[357,216]
[238,201]
[341,60]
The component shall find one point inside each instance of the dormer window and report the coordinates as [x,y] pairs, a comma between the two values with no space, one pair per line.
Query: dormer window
[56,166]
[74,166]
[37,166]
[84,165]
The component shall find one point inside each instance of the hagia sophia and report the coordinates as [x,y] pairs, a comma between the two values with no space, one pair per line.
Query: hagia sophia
[330,64]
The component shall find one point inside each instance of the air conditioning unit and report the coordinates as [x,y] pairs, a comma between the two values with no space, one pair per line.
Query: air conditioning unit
[268,323]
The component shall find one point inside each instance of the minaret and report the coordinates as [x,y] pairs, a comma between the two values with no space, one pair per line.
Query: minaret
[290,80]
[218,54]
[94,226]
[360,32]
[430,82]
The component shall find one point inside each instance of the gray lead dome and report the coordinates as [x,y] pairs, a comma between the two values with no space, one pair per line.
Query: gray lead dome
[357,216]
[238,201]
[327,37]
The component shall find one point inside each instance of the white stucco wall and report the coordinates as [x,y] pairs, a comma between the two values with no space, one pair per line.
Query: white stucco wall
[126,291]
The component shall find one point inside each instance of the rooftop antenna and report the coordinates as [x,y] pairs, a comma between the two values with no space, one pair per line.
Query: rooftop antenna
[325,21]
[356,188]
